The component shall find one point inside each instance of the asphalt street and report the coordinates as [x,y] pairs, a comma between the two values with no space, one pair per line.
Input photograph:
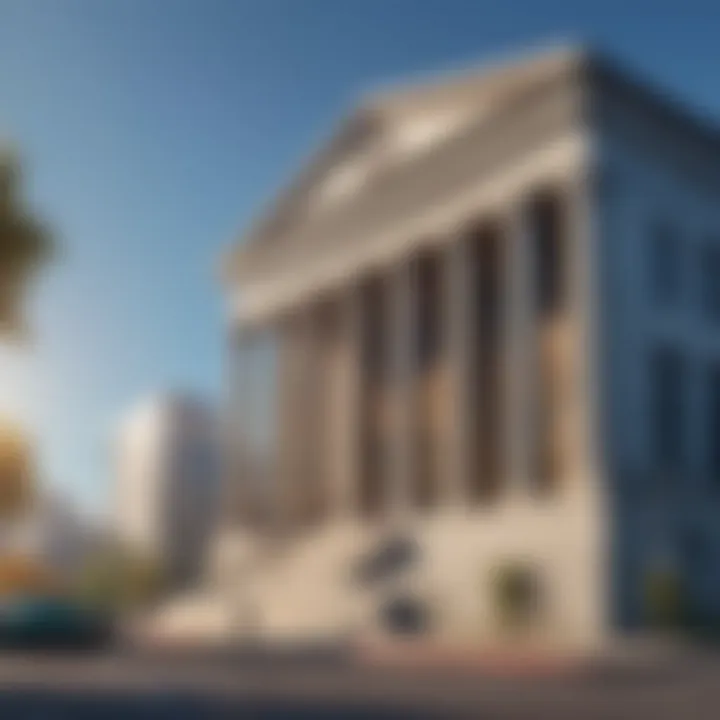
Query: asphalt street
[110,686]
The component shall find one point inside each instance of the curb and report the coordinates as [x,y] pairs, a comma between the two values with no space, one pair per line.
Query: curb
[499,662]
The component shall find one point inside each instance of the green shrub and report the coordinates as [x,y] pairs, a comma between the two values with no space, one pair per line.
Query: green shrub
[664,599]
[515,593]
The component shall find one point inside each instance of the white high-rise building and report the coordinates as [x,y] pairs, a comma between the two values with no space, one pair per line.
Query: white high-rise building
[167,494]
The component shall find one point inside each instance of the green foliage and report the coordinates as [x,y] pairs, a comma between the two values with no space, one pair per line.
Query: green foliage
[664,599]
[25,244]
[516,594]
[118,580]
[21,574]
[17,472]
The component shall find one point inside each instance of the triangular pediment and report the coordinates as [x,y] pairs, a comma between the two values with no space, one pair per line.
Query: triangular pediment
[391,126]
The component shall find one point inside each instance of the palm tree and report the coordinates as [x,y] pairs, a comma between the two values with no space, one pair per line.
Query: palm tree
[25,245]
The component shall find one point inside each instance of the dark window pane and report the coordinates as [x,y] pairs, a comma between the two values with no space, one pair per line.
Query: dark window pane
[430,305]
[713,429]
[665,265]
[550,260]
[667,410]
[710,282]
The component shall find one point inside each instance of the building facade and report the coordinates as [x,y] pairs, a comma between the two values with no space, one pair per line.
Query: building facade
[167,498]
[473,344]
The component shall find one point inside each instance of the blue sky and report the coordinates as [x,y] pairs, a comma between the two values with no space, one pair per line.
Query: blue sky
[153,129]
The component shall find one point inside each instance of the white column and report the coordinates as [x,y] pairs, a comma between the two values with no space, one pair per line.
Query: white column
[584,205]
[292,437]
[585,261]
[347,403]
[287,438]
[461,323]
[519,328]
[235,442]
[402,324]
[314,487]
[296,440]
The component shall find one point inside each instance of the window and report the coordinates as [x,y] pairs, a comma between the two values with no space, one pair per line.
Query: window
[375,337]
[665,265]
[550,280]
[667,417]
[430,305]
[713,425]
[710,282]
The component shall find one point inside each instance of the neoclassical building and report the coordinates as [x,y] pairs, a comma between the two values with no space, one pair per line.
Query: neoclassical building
[474,391]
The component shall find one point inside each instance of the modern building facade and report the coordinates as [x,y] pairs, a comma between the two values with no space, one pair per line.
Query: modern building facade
[475,343]
[167,499]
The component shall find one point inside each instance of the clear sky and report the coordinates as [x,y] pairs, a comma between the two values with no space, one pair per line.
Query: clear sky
[153,129]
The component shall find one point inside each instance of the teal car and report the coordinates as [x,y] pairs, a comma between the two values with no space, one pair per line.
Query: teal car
[41,622]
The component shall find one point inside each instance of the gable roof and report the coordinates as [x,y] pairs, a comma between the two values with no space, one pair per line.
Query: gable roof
[478,94]
[487,83]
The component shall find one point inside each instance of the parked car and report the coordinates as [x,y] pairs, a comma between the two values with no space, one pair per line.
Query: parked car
[44,622]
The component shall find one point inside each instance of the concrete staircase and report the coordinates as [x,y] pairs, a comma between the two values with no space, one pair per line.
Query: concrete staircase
[304,587]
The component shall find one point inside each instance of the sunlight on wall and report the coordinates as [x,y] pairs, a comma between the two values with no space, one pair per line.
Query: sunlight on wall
[18,385]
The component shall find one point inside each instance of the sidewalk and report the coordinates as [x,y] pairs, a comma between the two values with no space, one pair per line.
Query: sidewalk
[647,656]
[500,661]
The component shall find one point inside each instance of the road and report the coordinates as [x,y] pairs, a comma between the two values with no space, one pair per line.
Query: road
[109,686]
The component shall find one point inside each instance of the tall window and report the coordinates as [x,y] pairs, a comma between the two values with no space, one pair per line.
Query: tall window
[550,285]
[547,361]
[487,260]
[710,282]
[667,411]
[713,425]
[428,272]
[665,265]
[373,426]
[430,306]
